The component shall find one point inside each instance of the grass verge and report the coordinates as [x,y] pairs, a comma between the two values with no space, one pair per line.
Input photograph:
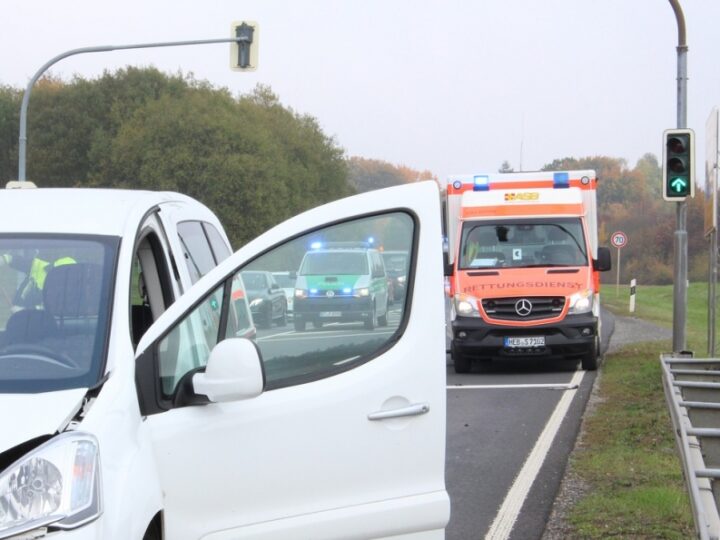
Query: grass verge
[627,459]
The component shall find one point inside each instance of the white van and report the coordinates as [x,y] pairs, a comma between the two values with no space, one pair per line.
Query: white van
[138,401]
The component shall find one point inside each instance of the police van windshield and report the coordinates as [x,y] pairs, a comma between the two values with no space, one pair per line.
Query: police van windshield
[324,263]
[55,297]
[523,243]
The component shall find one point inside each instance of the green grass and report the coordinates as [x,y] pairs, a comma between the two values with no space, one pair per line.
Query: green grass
[627,458]
[654,303]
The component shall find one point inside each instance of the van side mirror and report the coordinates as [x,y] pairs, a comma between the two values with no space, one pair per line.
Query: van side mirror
[447,266]
[603,262]
[234,372]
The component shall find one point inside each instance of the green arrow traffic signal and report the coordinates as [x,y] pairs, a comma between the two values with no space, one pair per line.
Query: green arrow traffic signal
[678,185]
[678,168]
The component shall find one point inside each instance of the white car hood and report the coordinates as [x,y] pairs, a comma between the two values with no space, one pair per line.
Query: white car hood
[26,416]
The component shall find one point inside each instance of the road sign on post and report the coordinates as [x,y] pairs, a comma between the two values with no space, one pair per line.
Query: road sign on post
[619,240]
[678,171]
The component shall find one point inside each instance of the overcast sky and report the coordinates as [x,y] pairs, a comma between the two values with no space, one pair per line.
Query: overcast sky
[454,86]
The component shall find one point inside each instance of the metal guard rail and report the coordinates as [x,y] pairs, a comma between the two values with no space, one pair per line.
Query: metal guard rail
[698,476]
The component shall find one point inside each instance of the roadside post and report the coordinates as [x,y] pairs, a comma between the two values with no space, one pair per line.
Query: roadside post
[619,240]
[633,284]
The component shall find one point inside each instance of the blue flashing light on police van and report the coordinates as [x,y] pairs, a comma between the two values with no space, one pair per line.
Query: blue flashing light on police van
[316,245]
[313,291]
[347,290]
[561,180]
[481,183]
[370,240]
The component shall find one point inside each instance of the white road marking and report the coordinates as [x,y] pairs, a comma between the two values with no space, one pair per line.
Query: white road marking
[551,386]
[511,506]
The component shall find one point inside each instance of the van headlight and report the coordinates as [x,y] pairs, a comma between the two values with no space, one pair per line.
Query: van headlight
[466,305]
[256,302]
[362,292]
[581,302]
[57,484]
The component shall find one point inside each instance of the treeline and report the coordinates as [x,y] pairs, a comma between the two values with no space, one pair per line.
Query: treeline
[251,160]
[368,174]
[630,200]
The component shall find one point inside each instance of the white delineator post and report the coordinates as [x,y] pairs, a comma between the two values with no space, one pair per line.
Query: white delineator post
[633,284]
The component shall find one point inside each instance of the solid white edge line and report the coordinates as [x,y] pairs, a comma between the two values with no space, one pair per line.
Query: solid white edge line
[556,386]
[510,509]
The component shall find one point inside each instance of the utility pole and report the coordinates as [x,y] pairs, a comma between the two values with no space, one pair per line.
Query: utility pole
[680,240]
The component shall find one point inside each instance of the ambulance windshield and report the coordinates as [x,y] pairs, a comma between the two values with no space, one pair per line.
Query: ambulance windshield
[523,243]
[54,309]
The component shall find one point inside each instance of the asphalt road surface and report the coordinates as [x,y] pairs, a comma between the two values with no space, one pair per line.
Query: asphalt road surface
[511,427]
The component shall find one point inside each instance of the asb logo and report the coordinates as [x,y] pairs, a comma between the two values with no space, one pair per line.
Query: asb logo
[523,196]
[523,307]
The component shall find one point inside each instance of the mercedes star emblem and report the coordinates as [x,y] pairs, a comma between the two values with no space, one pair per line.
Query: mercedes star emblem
[330,294]
[523,307]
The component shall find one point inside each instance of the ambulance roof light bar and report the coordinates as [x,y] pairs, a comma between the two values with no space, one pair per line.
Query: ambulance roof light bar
[481,183]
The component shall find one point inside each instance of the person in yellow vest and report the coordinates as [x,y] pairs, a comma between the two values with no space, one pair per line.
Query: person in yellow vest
[29,293]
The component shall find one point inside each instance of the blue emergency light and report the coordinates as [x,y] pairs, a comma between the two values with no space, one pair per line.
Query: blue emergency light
[316,245]
[561,180]
[481,183]
[347,290]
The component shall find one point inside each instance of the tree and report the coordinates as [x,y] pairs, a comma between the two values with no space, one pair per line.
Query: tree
[505,167]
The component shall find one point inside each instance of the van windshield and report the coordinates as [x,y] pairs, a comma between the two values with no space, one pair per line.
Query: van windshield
[523,243]
[55,298]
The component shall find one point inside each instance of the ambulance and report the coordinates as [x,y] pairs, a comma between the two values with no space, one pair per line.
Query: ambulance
[524,267]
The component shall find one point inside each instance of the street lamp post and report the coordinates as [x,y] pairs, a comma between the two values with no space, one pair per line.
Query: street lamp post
[22,143]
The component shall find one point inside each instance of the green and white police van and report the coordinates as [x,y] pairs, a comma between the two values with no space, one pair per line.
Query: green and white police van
[341,282]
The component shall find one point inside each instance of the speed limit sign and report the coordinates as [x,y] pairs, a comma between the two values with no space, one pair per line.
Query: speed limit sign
[618,239]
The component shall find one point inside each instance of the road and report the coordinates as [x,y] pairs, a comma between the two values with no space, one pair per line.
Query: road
[510,429]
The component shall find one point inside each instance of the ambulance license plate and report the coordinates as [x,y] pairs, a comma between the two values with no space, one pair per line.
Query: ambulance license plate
[331,313]
[524,342]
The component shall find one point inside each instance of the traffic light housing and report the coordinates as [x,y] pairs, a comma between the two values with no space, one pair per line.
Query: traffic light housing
[678,169]
[244,51]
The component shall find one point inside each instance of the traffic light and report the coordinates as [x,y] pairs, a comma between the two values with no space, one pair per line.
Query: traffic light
[244,51]
[678,173]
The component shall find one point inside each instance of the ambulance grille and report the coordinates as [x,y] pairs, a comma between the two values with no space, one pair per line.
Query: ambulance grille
[536,307]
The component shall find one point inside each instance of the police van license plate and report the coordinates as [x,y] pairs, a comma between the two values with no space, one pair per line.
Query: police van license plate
[331,313]
[524,342]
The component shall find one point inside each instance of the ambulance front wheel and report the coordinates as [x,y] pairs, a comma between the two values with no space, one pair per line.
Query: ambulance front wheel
[591,360]
[461,362]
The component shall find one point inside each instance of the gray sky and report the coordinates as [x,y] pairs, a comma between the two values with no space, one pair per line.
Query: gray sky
[454,86]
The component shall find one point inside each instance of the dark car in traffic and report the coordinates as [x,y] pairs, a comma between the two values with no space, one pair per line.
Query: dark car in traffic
[267,300]
[396,266]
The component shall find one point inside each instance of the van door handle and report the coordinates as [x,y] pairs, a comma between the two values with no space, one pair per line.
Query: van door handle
[415,409]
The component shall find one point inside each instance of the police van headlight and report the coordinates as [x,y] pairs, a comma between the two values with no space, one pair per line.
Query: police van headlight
[466,305]
[301,293]
[581,302]
[56,484]
[256,302]
[362,292]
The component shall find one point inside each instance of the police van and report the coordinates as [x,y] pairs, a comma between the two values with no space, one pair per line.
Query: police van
[138,402]
[341,282]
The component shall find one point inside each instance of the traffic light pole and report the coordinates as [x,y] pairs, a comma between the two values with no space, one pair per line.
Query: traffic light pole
[681,241]
[22,142]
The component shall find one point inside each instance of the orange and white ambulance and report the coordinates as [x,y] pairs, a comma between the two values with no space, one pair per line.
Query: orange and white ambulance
[525,263]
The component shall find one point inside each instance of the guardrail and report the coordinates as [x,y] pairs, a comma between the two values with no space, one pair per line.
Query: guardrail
[692,391]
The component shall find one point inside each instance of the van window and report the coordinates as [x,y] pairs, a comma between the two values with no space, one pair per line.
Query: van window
[341,307]
[218,245]
[198,255]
